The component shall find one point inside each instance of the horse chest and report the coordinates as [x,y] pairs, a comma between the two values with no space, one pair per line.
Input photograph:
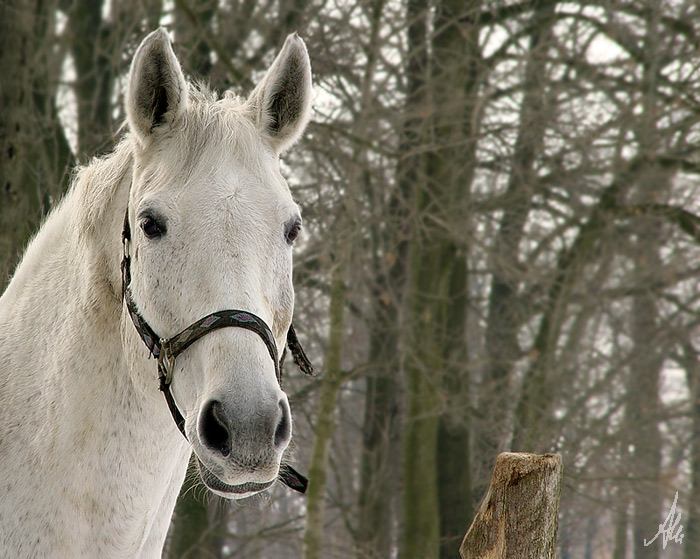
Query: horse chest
[102,503]
[86,465]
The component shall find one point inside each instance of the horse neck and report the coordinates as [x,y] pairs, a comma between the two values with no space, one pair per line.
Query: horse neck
[103,431]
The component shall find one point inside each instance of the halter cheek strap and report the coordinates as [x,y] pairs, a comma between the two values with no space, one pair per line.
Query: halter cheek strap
[166,350]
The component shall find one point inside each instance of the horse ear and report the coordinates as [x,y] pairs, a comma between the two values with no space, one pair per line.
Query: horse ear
[282,100]
[157,91]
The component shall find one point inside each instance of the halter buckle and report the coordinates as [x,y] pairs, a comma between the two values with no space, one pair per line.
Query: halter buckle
[166,364]
[125,243]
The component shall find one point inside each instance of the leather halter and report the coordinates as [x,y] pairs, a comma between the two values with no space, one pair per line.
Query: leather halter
[166,350]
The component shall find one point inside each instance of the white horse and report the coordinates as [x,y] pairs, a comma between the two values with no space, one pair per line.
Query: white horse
[91,460]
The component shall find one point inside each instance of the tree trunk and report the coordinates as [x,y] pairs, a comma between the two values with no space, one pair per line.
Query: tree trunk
[456,59]
[454,459]
[325,416]
[643,414]
[691,542]
[436,428]
[591,529]
[17,201]
[644,408]
[518,517]
[91,49]
[620,523]
[378,469]
[34,153]
[420,527]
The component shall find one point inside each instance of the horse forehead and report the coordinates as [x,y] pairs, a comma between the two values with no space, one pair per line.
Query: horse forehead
[239,196]
[219,176]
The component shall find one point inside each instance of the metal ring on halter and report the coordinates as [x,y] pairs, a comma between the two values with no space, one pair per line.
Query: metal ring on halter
[166,362]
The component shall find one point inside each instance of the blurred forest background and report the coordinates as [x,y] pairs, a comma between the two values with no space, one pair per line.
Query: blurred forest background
[501,251]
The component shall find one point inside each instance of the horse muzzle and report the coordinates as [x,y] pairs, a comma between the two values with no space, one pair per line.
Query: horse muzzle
[227,490]
[239,449]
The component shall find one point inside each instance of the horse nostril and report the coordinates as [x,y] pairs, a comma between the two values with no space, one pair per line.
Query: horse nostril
[284,428]
[213,430]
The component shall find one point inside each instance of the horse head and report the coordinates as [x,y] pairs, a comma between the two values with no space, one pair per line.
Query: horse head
[212,224]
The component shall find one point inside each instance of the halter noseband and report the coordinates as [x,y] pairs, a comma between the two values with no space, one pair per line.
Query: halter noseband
[166,350]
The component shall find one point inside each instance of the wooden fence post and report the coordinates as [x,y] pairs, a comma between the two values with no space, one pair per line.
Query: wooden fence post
[518,517]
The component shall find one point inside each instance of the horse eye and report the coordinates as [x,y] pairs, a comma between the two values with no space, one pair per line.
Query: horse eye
[151,228]
[293,233]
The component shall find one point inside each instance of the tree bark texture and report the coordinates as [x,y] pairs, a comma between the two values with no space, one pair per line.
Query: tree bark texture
[518,517]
